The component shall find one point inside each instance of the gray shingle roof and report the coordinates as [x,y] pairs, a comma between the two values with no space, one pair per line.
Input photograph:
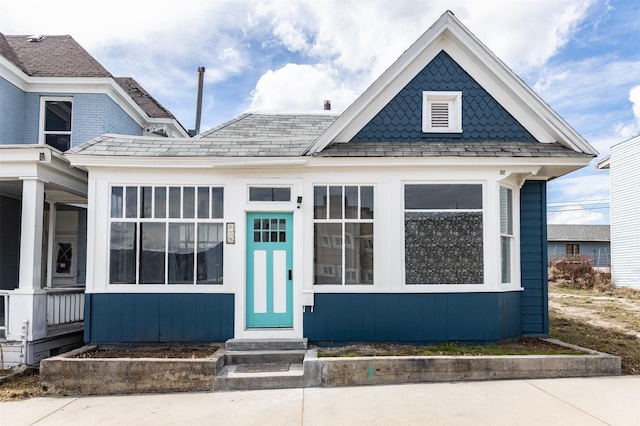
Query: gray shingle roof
[289,135]
[148,103]
[448,149]
[578,233]
[53,56]
[272,126]
[141,146]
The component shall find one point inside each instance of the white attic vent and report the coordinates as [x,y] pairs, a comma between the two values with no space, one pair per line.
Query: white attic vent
[442,112]
[439,114]
[35,38]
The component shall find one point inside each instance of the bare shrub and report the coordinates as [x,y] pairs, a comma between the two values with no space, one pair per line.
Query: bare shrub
[574,272]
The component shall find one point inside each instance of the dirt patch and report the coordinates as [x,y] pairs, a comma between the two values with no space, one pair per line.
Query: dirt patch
[150,352]
[523,346]
[606,321]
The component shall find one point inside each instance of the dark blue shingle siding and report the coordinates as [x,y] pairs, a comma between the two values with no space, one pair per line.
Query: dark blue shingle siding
[483,118]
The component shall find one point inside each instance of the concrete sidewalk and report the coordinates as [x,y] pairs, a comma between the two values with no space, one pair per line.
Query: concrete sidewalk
[581,401]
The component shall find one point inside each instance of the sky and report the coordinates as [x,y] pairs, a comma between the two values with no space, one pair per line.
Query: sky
[581,56]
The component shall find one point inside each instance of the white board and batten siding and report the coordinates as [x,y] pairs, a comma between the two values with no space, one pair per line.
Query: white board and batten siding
[625,206]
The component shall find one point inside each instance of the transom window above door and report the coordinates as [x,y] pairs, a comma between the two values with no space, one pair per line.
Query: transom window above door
[269,193]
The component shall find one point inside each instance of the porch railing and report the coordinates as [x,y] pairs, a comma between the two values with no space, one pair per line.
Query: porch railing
[4,313]
[65,306]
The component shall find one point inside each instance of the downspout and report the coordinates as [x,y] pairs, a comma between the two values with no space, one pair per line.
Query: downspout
[23,345]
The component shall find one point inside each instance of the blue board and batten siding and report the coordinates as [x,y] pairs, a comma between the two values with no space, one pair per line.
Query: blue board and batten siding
[158,317]
[533,257]
[413,317]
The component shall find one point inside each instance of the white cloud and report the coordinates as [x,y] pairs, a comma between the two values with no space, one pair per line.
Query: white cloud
[630,129]
[300,88]
[575,215]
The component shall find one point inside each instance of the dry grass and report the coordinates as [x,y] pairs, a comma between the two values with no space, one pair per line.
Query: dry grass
[18,388]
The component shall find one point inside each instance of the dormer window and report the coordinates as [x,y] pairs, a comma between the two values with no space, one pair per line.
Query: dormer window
[442,112]
[56,122]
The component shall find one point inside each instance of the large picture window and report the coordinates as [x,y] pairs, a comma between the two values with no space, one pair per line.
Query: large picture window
[343,235]
[443,234]
[166,235]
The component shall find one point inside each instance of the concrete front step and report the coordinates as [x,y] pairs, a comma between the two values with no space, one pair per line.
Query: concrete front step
[228,379]
[266,344]
[262,357]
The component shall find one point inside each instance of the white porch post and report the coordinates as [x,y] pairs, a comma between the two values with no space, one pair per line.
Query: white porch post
[28,301]
[51,240]
[31,234]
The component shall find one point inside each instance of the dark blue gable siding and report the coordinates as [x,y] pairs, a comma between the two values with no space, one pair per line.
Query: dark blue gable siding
[414,317]
[533,260]
[158,317]
[483,119]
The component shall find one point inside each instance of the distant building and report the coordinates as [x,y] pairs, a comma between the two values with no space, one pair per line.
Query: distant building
[54,96]
[625,204]
[571,241]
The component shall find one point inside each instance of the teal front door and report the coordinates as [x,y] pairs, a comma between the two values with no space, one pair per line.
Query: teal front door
[269,270]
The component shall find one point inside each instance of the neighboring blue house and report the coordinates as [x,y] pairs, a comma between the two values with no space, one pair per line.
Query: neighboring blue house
[417,215]
[54,97]
[571,241]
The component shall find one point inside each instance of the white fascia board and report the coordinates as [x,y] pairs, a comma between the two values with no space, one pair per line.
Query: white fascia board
[511,92]
[13,74]
[489,71]
[201,162]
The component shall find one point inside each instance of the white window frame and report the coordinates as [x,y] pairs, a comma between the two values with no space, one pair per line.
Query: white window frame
[510,236]
[138,220]
[453,100]
[338,240]
[41,132]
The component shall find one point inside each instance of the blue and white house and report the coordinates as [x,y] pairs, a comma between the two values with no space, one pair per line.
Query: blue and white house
[416,215]
[54,96]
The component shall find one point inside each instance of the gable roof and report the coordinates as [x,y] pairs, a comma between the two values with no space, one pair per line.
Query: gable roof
[578,233]
[449,35]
